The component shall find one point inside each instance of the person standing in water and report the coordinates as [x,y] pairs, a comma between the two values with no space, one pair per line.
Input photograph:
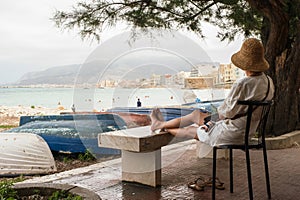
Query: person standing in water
[139,103]
[73,108]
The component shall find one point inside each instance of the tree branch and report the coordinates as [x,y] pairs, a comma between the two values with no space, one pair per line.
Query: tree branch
[201,11]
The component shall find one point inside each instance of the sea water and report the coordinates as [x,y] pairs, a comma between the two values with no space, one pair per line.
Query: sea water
[103,98]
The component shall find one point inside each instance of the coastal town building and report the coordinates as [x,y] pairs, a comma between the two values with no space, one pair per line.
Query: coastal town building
[167,80]
[106,83]
[201,76]
[180,77]
[204,69]
[155,80]
[228,74]
[202,82]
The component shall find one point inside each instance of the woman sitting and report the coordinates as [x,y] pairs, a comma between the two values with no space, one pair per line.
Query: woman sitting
[230,126]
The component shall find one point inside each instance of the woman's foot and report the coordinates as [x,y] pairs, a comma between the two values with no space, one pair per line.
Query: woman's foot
[159,115]
[157,119]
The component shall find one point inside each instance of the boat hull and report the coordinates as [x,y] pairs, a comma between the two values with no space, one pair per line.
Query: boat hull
[72,133]
[24,153]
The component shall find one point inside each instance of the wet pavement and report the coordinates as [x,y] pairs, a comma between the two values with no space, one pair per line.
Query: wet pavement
[181,166]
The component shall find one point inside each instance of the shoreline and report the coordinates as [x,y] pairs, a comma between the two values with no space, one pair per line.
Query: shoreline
[10,115]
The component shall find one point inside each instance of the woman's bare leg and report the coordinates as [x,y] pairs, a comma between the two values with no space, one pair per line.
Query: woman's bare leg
[186,132]
[196,117]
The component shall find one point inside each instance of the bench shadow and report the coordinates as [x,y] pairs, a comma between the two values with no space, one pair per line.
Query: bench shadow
[132,191]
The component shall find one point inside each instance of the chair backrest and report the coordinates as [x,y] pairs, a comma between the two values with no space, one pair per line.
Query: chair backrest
[264,107]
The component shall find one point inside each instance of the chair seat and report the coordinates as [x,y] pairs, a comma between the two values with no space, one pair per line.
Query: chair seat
[239,146]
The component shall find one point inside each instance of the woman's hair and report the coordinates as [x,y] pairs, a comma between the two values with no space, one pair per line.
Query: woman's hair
[252,73]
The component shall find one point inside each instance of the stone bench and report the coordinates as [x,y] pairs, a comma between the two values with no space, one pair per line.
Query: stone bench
[141,152]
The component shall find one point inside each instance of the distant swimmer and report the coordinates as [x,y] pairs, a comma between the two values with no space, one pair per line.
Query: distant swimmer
[139,103]
[73,108]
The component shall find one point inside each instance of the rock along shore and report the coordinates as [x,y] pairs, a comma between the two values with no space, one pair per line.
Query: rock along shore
[10,115]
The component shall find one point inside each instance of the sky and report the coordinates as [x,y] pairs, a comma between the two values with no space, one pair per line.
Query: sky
[30,41]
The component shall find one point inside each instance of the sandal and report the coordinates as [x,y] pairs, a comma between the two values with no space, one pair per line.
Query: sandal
[198,184]
[219,184]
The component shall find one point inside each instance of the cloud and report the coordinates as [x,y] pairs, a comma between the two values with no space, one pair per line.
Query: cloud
[30,41]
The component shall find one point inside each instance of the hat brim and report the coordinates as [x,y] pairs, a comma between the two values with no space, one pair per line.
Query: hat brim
[245,63]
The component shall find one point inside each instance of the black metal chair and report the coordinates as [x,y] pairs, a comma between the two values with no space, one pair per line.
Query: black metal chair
[252,106]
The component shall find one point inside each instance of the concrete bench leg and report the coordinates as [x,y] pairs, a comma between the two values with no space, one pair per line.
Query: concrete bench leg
[142,167]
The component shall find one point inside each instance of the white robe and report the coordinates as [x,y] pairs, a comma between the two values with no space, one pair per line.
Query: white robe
[230,131]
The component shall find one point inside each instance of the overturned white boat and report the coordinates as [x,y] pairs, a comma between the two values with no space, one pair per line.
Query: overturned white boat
[24,154]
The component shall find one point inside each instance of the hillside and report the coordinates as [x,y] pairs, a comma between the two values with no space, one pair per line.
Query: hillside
[119,59]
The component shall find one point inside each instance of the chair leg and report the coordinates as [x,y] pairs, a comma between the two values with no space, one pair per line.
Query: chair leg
[214,173]
[231,169]
[249,174]
[267,171]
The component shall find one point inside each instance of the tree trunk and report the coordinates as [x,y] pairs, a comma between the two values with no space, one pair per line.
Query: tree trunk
[284,60]
[285,115]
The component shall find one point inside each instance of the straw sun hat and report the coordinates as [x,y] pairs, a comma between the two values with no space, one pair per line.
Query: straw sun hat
[251,56]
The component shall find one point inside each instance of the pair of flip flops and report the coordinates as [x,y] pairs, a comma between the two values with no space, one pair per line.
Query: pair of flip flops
[200,183]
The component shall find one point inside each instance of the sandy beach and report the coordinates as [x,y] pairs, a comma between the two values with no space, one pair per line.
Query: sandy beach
[10,115]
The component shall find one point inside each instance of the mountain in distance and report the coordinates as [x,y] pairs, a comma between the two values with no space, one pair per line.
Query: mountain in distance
[121,59]
[60,75]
